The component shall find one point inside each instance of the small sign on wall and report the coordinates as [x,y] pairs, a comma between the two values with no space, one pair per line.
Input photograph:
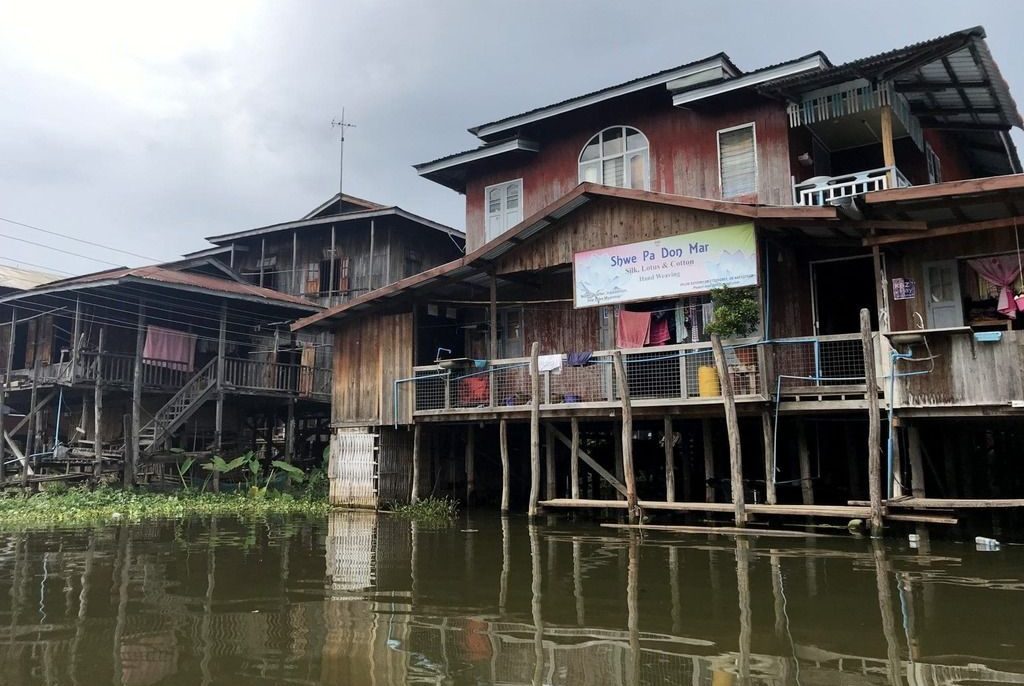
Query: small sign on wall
[904,289]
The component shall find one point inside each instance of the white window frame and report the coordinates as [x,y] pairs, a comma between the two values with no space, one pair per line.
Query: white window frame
[718,145]
[504,211]
[600,159]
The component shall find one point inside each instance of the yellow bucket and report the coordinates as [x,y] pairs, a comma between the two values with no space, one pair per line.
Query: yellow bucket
[707,382]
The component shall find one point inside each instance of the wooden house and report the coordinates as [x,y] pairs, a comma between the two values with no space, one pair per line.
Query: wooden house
[110,371]
[597,227]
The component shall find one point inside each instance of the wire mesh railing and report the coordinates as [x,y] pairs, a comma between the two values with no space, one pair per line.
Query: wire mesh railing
[817,362]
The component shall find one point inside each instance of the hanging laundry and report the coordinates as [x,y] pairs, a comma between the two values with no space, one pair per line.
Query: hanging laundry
[682,333]
[633,329]
[694,327]
[660,334]
[579,359]
[169,348]
[549,363]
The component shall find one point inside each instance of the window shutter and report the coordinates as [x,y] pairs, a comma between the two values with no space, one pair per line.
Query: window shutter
[737,161]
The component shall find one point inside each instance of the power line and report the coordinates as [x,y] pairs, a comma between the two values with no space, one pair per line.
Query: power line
[79,240]
[66,252]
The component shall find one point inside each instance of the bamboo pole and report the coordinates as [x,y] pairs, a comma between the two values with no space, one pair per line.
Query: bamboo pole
[534,430]
[417,438]
[670,463]
[768,435]
[874,424]
[574,459]
[708,443]
[97,434]
[470,464]
[628,474]
[733,428]
[503,440]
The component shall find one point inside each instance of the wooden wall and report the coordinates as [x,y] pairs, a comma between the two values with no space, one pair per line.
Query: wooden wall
[369,354]
[683,152]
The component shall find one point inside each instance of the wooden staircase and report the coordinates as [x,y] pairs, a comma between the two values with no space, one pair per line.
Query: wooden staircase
[178,409]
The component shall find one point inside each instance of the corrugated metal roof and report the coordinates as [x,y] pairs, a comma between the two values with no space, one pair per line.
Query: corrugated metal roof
[23,279]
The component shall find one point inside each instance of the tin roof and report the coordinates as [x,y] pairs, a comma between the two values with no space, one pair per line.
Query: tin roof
[23,279]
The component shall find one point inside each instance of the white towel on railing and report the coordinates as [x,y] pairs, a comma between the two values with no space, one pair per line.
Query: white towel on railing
[549,363]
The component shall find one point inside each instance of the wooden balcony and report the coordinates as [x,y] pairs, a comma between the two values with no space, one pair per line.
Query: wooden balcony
[823,190]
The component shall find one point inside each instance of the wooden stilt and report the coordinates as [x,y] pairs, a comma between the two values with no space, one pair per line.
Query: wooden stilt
[746,625]
[3,389]
[593,464]
[97,434]
[853,463]
[949,462]
[574,459]
[709,460]
[470,464]
[503,447]
[622,382]
[803,453]
[670,461]
[916,462]
[733,427]
[617,456]
[896,485]
[417,438]
[768,438]
[30,439]
[289,433]
[218,430]
[136,451]
[534,430]
[874,424]
[550,480]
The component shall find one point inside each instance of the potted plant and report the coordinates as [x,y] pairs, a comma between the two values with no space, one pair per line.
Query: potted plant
[737,313]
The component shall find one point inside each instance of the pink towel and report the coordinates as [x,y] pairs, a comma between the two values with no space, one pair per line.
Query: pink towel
[659,331]
[170,348]
[633,330]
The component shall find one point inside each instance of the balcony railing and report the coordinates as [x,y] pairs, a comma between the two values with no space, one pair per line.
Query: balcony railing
[822,190]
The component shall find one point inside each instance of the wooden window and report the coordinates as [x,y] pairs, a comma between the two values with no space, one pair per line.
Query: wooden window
[312,286]
[504,203]
[618,156]
[737,161]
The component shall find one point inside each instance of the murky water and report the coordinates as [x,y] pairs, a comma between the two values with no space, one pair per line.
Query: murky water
[359,599]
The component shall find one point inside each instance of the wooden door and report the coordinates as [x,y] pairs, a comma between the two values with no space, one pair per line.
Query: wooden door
[942,294]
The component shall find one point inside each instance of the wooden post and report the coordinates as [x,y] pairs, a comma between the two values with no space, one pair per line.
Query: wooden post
[76,333]
[617,457]
[289,433]
[916,462]
[733,428]
[493,316]
[709,459]
[534,430]
[551,484]
[97,437]
[888,150]
[470,464]
[503,441]
[574,459]
[768,435]
[136,451]
[874,424]
[670,462]
[218,430]
[372,239]
[30,439]
[622,382]
[414,494]
[804,455]
[3,391]
[895,486]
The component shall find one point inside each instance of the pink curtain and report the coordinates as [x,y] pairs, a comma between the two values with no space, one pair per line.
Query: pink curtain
[1000,271]
[170,348]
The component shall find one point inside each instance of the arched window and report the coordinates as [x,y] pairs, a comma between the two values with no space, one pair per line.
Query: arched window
[618,156]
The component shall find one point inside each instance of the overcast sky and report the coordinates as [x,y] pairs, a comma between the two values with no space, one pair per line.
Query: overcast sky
[151,125]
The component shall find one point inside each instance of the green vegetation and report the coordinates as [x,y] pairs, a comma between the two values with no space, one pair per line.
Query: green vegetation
[429,509]
[78,506]
[736,311]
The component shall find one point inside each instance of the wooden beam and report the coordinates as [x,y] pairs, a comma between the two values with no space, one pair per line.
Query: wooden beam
[30,436]
[888,150]
[950,230]
[417,439]
[709,459]
[945,189]
[574,458]
[874,424]
[592,463]
[503,441]
[550,481]
[34,408]
[97,437]
[670,462]
[534,430]
[493,312]
[926,86]
[622,381]
[733,427]
[768,438]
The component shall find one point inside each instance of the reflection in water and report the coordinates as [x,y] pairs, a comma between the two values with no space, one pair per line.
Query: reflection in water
[363,599]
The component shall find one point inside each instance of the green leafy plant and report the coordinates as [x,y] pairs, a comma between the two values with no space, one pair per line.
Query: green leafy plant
[219,466]
[737,311]
[430,509]
[183,468]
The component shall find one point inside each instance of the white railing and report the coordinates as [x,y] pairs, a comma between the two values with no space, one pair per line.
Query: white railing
[822,190]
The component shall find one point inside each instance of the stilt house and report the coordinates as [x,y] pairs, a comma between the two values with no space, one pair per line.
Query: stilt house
[601,224]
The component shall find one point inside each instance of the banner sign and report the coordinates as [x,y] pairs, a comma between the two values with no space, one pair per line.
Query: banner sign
[666,267]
